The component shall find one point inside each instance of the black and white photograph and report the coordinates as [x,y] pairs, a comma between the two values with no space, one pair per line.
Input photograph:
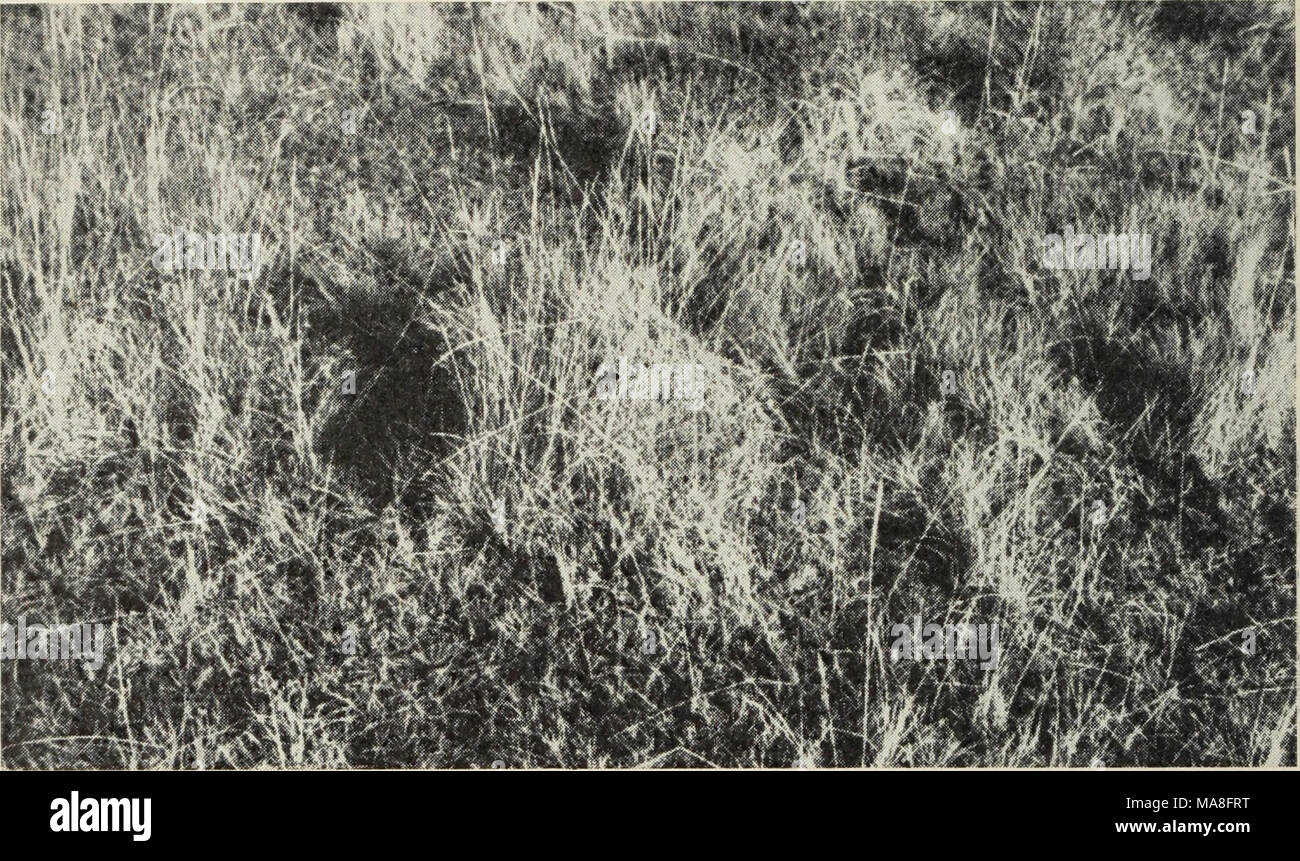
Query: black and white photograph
[647,385]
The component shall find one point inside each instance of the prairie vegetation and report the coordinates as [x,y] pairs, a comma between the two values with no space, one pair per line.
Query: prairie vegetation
[472,559]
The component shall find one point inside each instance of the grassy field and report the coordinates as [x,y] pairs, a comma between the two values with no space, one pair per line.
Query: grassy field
[473,560]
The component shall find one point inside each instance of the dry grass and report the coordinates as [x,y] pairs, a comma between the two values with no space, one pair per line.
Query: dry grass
[543,578]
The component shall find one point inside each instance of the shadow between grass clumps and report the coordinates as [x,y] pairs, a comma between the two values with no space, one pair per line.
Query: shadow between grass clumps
[405,407]
[1151,403]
